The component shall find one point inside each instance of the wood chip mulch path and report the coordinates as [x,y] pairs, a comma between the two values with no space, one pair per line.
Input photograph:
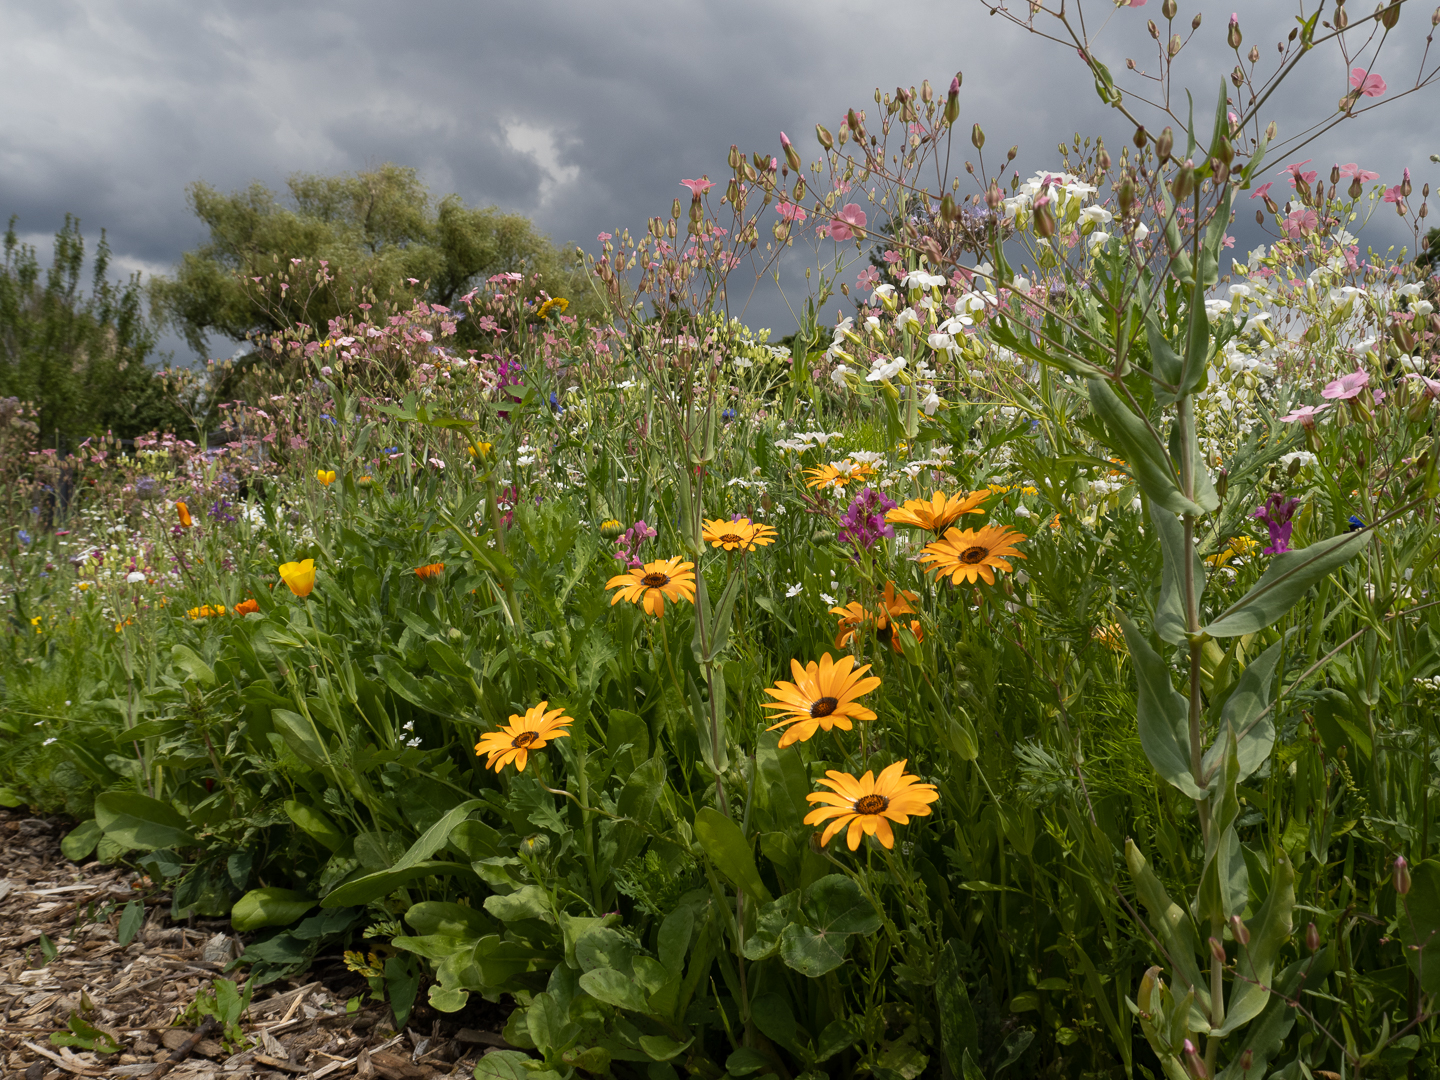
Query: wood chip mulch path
[294,1029]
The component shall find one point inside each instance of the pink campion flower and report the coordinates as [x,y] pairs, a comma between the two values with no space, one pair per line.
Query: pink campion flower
[1393,194]
[1305,415]
[603,237]
[1293,171]
[1363,175]
[1368,83]
[845,224]
[867,278]
[697,187]
[1432,386]
[1347,386]
[1299,222]
[790,212]
[1263,190]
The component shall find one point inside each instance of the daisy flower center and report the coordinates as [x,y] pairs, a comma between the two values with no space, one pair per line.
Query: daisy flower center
[824,707]
[871,804]
[974,555]
[731,538]
[524,739]
[655,581]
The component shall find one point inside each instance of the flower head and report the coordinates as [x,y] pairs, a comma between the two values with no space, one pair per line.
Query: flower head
[430,570]
[1368,83]
[300,576]
[1304,415]
[1276,515]
[325,476]
[247,607]
[742,534]
[654,583]
[1431,387]
[697,187]
[524,734]
[849,221]
[863,523]
[206,611]
[938,512]
[183,512]
[973,553]
[867,805]
[1347,386]
[554,303]
[822,696]
[838,475]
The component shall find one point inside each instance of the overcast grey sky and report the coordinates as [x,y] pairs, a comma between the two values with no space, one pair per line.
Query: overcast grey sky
[582,115]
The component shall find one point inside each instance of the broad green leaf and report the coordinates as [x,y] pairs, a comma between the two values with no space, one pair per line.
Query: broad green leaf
[86,1036]
[1170,621]
[271,906]
[452,1000]
[443,917]
[531,902]
[1419,912]
[131,919]
[301,736]
[731,853]
[503,1064]
[637,802]
[1254,735]
[315,824]
[1141,448]
[140,822]
[613,988]
[81,840]
[959,1032]
[1161,713]
[833,909]
[382,883]
[437,836]
[189,661]
[1284,582]
[1269,931]
[1165,363]
[662,1047]
[1170,922]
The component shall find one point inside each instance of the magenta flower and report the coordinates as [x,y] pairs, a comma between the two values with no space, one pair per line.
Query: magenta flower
[1432,386]
[1301,221]
[1305,415]
[1294,172]
[1277,516]
[1393,194]
[1363,175]
[867,278]
[697,187]
[1347,386]
[790,212]
[850,220]
[863,523]
[1263,190]
[1369,84]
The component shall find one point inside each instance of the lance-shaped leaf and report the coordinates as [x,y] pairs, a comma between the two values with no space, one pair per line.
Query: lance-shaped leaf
[1224,878]
[1284,583]
[1171,924]
[1265,1037]
[1255,966]
[1419,912]
[1161,714]
[1170,622]
[1141,449]
[1246,713]
[1165,362]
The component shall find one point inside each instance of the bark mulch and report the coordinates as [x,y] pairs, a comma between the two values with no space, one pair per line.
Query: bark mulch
[137,993]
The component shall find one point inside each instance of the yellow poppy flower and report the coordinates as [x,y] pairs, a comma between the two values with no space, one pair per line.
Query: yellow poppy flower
[300,576]
[939,512]
[867,805]
[821,697]
[654,583]
[742,534]
[973,554]
[523,735]
[325,476]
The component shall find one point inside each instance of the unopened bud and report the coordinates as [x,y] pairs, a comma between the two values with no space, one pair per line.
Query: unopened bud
[1259,217]
[1217,950]
[1405,187]
[1154,30]
[1141,137]
[1247,1060]
[1271,130]
[824,136]
[1102,156]
[1176,44]
[1164,145]
[1169,8]
[977,137]
[1010,155]
[1402,875]
[732,192]
[1254,54]
[1293,469]
[994,197]
[1195,22]
[1222,483]
[952,103]
[1334,174]
[675,210]
[927,95]
[1435,18]
[1237,77]
[736,158]
[1238,929]
[1312,938]
[1196,1066]
[947,208]
[1126,195]
[792,156]
[1232,36]
[1342,19]
[1044,218]
[1184,182]
[1391,15]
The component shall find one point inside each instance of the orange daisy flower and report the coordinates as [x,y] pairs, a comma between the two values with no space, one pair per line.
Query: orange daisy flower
[654,583]
[971,554]
[839,474]
[867,806]
[432,570]
[823,696]
[523,735]
[938,512]
[742,534]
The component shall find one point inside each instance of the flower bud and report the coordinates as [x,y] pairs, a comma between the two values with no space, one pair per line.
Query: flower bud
[1334,174]
[1232,36]
[1238,929]
[1176,44]
[1391,15]
[824,136]
[927,95]
[1102,156]
[791,154]
[1247,1060]
[736,158]
[977,137]
[1164,144]
[1154,30]
[1184,182]
[732,192]
[1195,22]
[1010,155]
[1271,130]
[1435,18]
[1405,187]
[947,208]
[1356,189]
[1192,1059]
[1044,218]
[1169,8]
[1402,875]
[1259,217]
[952,103]
[1217,950]
[1312,938]
[675,210]
[1254,54]
[994,197]
[1126,195]
[1342,19]
[1141,136]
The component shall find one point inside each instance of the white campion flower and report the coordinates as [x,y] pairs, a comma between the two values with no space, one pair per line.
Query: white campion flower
[883,369]
[907,319]
[1020,283]
[974,301]
[1411,288]
[956,324]
[1141,231]
[838,375]
[872,322]
[940,341]
[1098,238]
[1422,307]
[742,363]
[1302,456]
[1239,291]
[920,279]
[984,270]
[1096,215]
[1411,363]
[882,292]
[930,402]
[794,591]
[134,577]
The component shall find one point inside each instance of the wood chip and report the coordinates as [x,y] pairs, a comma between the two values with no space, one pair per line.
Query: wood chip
[72,1065]
[276,1063]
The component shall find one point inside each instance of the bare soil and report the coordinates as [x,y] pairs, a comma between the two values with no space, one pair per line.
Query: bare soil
[137,993]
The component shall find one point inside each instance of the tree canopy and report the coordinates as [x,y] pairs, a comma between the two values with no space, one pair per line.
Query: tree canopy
[379,232]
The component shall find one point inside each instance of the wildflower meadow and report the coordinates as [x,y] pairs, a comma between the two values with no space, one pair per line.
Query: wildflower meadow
[1028,667]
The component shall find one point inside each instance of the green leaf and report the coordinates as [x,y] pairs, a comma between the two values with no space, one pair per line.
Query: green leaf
[1161,713]
[731,853]
[1284,582]
[1141,448]
[833,908]
[613,988]
[437,836]
[381,883]
[140,822]
[504,1065]
[447,1000]
[743,1061]
[838,1035]
[1170,922]
[81,840]
[131,919]
[301,737]
[1254,735]
[270,906]
[48,950]
[86,1036]
[662,1047]
[189,661]
[959,1032]
[315,824]
[1170,620]
[9,796]
[531,902]
[1269,931]
[1419,912]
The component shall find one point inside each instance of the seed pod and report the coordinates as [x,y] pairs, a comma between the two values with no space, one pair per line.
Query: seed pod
[1184,182]
[1154,30]
[1254,54]
[1126,195]
[675,209]
[1195,22]
[947,208]
[1102,156]
[1164,145]
[1272,129]
[1141,135]
[927,95]
[1391,15]
[1176,44]
[1169,8]
[736,158]
[1334,174]
[1356,189]
[1044,219]
[1010,155]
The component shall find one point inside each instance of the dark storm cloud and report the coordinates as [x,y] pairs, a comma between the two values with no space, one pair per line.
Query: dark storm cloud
[584,116]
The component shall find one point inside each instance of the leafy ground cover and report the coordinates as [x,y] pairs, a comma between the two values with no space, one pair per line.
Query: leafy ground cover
[1030,672]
